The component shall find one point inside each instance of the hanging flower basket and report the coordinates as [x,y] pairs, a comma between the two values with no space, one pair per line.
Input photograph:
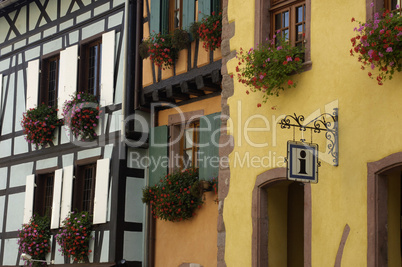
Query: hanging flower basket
[210,31]
[34,239]
[171,198]
[74,236]
[268,67]
[378,45]
[39,124]
[81,115]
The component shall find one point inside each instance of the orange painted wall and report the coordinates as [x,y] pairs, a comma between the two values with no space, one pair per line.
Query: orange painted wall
[191,241]
[209,105]
[194,240]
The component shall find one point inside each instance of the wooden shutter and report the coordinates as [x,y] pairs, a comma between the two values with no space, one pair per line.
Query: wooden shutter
[209,139]
[188,13]
[165,16]
[107,70]
[101,191]
[158,154]
[58,179]
[29,197]
[68,76]
[32,84]
[155,16]
[204,6]
[67,192]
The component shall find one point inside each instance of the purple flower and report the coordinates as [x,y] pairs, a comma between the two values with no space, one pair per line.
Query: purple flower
[372,4]
[389,49]
[261,77]
[397,6]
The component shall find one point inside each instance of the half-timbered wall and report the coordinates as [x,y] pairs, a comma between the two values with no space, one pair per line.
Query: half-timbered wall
[30,32]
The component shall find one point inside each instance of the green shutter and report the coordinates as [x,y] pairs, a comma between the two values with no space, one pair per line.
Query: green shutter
[158,154]
[165,17]
[188,13]
[204,6]
[216,6]
[155,22]
[209,150]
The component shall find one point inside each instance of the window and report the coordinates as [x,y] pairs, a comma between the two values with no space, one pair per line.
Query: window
[392,4]
[91,64]
[50,80]
[290,17]
[44,194]
[290,21]
[84,188]
[175,14]
[189,149]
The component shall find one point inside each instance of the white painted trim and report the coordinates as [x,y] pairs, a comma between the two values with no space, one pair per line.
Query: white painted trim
[33,84]
[107,70]
[29,197]
[67,192]
[68,76]
[101,191]
[58,181]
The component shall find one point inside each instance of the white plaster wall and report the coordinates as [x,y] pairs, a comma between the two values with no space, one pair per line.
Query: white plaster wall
[19,173]
[15,211]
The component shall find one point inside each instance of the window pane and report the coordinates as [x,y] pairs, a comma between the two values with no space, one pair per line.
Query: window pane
[299,14]
[299,33]
[49,194]
[285,34]
[88,181]
[278,21]
[285,19]
[52,86]
[394,3]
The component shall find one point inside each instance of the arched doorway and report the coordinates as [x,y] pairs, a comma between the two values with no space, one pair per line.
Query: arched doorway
[384,211]
[281,217]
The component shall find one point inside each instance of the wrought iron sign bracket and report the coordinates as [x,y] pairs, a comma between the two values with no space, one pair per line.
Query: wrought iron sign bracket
[326,122]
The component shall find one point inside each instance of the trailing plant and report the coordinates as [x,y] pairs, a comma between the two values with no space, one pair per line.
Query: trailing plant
[81,115]
[74,236]
[180,39]
[161,50]
[268,67]
[39,124]
[194,29]
[378,45]
[210,31]
[34,239]
[144,48]
[171,198]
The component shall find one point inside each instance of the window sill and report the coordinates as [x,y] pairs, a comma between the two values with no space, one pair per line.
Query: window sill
[307,66]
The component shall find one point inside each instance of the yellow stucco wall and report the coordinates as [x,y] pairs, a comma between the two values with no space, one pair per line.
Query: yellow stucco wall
[369,130]
[192,241]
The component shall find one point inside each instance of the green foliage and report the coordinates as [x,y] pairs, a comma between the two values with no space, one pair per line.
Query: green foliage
[81,115]
[210,31]
[34,239]
[171,198]
[143,49]
[74,236]
[194,29]
[180,39]
[267,68]
[378,45]
[39,124]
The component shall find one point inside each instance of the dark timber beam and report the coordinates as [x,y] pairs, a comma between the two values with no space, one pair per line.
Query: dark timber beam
[205,85]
